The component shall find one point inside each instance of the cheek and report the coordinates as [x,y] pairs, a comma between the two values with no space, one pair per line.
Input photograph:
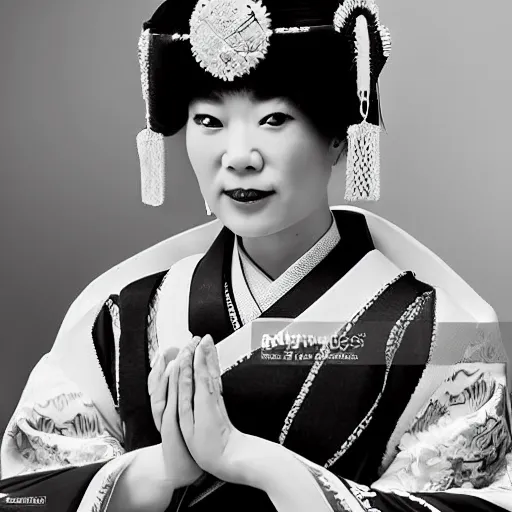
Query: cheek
[301,160]
[200,152]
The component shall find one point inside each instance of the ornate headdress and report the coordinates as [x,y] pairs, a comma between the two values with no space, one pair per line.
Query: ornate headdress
[228,40]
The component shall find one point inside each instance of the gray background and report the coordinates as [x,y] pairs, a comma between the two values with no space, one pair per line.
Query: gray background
[71,106]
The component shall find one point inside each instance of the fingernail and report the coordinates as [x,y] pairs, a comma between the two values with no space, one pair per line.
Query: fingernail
[205,345]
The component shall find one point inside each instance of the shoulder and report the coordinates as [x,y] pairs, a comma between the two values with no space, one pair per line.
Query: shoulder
[151,283]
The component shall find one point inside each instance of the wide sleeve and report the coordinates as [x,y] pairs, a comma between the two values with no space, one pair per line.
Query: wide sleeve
[59,449]
[455,454]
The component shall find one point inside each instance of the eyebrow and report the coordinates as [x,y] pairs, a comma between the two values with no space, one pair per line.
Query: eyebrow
[218,97]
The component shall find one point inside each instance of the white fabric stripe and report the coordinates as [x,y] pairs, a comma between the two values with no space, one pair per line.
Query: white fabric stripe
[172,320]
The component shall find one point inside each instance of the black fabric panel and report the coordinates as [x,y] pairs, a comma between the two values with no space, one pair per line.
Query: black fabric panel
[207,307]
[63,488]
[359,463]
[353,388]
[447,502]
[104,344]
[134,367]
[232,498]
[443,501]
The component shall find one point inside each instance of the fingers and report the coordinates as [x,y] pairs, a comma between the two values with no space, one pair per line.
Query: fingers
[202,374]
[157,372]
[214,370]
[212,361]
[171,381]
[186,390]
[157,387]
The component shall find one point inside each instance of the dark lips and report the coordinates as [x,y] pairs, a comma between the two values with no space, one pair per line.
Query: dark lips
[246,195]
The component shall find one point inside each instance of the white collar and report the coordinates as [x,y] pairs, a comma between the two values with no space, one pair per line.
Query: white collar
[266,291]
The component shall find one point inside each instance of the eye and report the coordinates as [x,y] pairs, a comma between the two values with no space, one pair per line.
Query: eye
[207,121]
[279,118]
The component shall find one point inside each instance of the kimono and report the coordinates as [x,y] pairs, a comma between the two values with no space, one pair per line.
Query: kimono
[390,393]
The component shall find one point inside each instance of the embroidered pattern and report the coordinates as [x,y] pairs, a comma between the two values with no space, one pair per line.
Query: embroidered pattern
[229,37]
[323,354]
[363,494]
[63,430]
[346,9]
[461,437]
[143,54]
[99,492]
[421,501]
[231,308]
[331,488]
[433,341]
[104,493]
[116,329]
[486,346]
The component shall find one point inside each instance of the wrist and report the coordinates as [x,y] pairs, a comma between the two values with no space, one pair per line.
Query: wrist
[143,484]
[287,481]
[150,462]
[260,462]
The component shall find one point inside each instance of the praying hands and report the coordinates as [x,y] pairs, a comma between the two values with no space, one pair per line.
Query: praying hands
[197,435]
[188,409]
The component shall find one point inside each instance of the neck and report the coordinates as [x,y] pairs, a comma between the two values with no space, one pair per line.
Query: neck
[277,252]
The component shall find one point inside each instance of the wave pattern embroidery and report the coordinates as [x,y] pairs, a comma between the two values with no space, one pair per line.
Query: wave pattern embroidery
[461,438]
[63,430]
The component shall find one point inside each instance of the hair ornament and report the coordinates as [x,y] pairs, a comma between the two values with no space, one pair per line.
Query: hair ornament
[229,37]
[150,145]
[348,8]
[363,158]
[151,150]
[385,36]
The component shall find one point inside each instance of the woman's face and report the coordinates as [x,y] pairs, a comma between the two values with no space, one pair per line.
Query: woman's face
[240,144]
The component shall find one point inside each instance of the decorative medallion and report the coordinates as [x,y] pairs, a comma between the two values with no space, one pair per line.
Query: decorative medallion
[229,37]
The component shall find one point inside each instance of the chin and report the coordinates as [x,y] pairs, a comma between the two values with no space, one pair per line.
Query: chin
[250,226]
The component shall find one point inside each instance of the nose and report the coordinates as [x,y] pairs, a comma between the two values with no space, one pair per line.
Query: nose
[240,155]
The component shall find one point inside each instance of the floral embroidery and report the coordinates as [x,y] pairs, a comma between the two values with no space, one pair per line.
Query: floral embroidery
[460,438]
[486,347]
[61,431]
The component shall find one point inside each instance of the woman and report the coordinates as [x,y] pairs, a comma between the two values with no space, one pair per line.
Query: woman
[373,390]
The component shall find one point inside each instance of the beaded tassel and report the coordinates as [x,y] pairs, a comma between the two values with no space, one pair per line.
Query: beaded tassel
[150,145]
[363,158]
[151,149]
